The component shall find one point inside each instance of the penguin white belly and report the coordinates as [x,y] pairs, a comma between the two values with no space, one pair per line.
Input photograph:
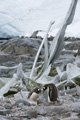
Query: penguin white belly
[34,96]
[48,95]
[48,99]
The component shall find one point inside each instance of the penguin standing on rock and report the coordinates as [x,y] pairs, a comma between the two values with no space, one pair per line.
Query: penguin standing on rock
[34,94]
[52,92]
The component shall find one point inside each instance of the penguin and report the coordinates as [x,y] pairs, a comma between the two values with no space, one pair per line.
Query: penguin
[34,94]
[52,92]
[34,34]
[77,54]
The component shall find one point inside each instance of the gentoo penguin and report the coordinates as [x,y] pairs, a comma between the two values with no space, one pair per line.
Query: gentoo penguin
[77,54]
[33,95]
[52,92]
[34,34]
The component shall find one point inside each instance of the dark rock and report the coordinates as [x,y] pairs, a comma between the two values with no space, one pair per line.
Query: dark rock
[5,112]
[50,38]
[71,39]
[78,115]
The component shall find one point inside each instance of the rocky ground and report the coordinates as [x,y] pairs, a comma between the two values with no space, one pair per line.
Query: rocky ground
[14,51]
[67,109]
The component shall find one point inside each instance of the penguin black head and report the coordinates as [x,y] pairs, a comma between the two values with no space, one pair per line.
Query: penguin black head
[47,86]
[44,88]
[33,95]
[36,90]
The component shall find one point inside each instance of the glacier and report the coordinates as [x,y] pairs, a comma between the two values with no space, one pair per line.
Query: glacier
[23,17]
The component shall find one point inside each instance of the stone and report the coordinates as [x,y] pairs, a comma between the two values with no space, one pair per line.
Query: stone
[16,118]
[73,45]
[43,118]
[21,46]
[2,118]
[5,112]
[51,110]
[8,106]
[72,117]
[31,114]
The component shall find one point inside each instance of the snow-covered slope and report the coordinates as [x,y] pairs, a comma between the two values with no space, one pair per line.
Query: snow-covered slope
[22,17]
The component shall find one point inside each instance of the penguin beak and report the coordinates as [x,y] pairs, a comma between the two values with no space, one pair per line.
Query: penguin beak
[41,91]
